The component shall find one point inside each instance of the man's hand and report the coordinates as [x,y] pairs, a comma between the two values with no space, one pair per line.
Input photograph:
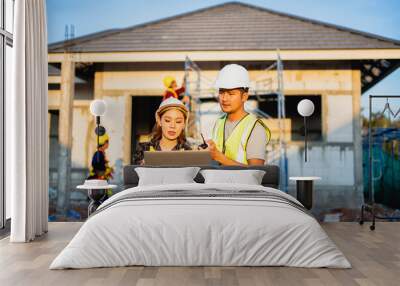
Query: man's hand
[214,153]
[220,157]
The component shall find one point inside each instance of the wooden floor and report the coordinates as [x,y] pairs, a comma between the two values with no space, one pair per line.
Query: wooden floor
[375,257]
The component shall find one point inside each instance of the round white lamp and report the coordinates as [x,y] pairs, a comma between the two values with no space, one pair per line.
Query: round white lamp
[98,108]
[305,108]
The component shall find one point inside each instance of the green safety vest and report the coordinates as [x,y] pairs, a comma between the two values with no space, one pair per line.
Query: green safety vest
[235,146]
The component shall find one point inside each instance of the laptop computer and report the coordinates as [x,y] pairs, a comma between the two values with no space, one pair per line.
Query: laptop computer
[177,158]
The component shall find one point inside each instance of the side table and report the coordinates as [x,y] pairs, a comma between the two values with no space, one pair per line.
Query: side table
[96,195]
[304,189]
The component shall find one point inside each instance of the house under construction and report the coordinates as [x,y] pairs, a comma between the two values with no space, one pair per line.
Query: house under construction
[289,58]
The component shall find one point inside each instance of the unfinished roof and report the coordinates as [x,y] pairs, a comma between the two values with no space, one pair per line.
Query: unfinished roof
[230,26]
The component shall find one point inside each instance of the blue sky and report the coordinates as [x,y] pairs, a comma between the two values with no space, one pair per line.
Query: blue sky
[88,16]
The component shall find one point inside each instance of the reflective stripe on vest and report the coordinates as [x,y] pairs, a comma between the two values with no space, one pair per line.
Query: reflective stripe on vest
[236,144]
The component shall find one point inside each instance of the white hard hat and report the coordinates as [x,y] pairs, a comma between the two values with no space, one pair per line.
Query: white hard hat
[170,103]
[233,76]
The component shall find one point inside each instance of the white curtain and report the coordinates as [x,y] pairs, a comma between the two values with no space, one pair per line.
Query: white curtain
[27,148]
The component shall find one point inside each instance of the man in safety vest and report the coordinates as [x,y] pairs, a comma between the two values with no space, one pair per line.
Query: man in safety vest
[238,138]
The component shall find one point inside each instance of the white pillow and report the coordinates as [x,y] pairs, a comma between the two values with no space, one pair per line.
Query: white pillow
[166,176]
[249,177]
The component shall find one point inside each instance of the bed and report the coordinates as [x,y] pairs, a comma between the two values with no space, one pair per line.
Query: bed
[201,224]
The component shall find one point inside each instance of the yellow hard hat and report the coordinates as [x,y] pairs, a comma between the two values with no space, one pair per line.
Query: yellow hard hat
[168,80]
[103,139]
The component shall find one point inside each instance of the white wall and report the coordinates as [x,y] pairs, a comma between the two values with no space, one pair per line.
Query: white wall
[339,118]
[114,122]
[81,129]
[334,164]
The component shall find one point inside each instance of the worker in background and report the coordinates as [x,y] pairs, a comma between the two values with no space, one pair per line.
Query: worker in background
[100,168]
[172,89]
[168,132]
[238,138]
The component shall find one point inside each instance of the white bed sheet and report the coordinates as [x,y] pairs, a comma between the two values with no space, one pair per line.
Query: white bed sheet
[199,232]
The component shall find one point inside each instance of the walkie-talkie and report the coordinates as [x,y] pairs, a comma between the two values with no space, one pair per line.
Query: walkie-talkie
[204,145]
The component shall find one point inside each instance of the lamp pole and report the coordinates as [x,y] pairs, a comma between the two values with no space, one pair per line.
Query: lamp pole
[98,108]
[305,138]
[98,137]
[305,108]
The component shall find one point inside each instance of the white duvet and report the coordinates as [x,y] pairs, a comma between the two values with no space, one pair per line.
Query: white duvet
[192,231]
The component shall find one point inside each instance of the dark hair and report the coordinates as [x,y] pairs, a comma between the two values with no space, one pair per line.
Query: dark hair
[242,89]
[157,132]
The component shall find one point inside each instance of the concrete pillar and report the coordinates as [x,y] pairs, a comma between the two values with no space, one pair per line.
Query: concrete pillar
[357,138]
[65,133]
[127,154]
